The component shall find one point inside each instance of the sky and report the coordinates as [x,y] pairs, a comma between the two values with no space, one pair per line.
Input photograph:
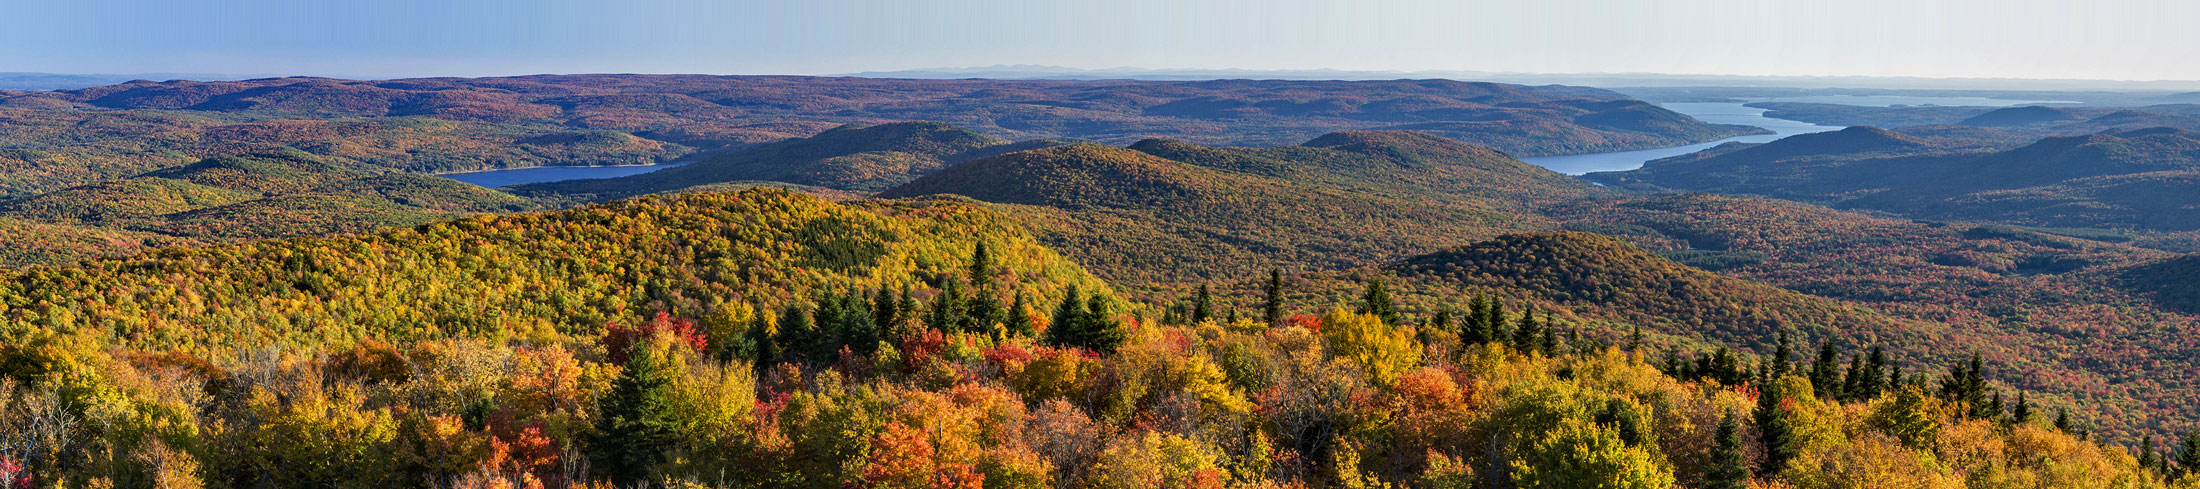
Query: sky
[2059,39]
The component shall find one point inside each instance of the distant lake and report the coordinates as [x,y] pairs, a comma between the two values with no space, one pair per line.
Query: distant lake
[1739,113]
[516,176]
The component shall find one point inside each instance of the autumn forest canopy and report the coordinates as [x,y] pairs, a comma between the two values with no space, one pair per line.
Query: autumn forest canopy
[984,284]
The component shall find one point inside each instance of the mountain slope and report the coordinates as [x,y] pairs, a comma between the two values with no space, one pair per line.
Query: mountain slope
[534,275]
[259,195]
[1134,214]
[1611,279]
[2141,178]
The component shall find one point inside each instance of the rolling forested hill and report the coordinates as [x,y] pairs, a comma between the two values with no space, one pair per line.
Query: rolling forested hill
[1340,201]
[259,195]
[672,340]
[2139,179]
[73,137]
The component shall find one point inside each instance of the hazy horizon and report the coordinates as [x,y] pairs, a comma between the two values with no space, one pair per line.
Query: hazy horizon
[2022,39]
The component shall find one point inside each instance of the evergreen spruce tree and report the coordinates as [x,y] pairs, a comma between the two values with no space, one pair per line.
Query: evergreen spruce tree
[2147,458]
[2188,458]
[1825,373]
[1672,365]
[1442,321]
[1634,338]
[1062,330]
[1473,326]
[1528,334]
[981,269]
[909,308]
[764,345]
[1729,468]
[1495,322]
[800,335]
[2062,420]
[1875,375]
[1203,305]
[1273,309]
[2022,414]
[1549,344]
[1100,331]
[1018,317]
[1782,352]
[1724,367]
[857,330]
[1852,382]
[885,312]
[1774,432]
[948,313]
[1377,302]
[638,423]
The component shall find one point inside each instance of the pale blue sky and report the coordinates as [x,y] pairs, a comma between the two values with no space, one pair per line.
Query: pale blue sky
[2099,39]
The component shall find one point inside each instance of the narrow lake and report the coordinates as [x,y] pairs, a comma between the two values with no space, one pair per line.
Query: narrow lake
[516,176]
[1739,113]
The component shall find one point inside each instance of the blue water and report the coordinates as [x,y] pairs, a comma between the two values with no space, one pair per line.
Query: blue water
[1738,113]
[500,178]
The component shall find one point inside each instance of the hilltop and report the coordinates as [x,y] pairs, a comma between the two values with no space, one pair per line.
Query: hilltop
[2130,179]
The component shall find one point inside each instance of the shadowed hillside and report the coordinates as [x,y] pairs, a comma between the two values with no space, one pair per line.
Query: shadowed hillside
[1342,201]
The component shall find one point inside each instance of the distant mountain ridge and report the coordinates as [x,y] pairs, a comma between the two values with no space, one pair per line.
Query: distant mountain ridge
[2136,178]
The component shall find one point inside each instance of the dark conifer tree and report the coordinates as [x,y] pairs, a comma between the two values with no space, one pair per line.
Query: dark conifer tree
[1062,330]
[1852,382]
[764,345]
[1377,302]
[858,331]
[1634,338]
[2147,458]
[2062,420]
[800,335]
[885,311]
[910,312]
[1203,305]
[2188,457]
[1729,468]
[1549,344]
[1100,331]
[1875,375]
[2023,412]
[1724,367]
[638,424]
[1273,309]
[1527,335]
[1019,316]
[949,312]
[981,269]
[1774,432]
[1782,352]
[1825,373]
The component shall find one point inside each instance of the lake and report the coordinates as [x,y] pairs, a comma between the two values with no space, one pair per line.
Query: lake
[1739,113]
[516,176]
